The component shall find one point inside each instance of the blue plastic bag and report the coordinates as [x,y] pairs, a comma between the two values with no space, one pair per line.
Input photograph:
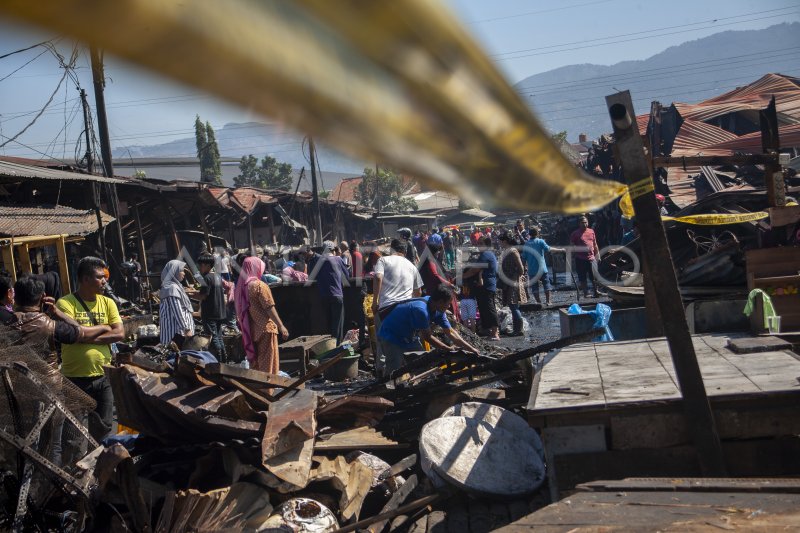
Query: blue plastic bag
[601,315]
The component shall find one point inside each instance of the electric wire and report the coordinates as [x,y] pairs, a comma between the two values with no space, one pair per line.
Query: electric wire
[649,33]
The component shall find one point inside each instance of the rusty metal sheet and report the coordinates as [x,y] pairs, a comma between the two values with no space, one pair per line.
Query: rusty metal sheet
[163,407]
[289,437]
[61,220]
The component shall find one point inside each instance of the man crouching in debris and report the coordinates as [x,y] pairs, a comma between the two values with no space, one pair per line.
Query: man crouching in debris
[402,328]
[39,320]
[82,363]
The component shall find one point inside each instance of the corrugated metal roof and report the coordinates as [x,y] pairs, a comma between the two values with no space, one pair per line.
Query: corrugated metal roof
[244,198]
[696,137]
[16,170]
[751,98]
[789,138]
[18,221]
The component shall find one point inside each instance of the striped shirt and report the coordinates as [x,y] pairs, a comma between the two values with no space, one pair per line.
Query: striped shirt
[174,318]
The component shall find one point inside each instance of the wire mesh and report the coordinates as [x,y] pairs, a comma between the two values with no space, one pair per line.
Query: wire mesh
[41,415]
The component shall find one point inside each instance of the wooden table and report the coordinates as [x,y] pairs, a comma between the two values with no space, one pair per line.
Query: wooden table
[622,414]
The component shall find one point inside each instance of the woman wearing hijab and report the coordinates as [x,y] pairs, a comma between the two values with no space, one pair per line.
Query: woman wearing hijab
[175,311]
[258,318]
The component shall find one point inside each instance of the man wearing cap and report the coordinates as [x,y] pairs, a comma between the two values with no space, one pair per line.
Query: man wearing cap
[411,250]
[396,280]
[328,272]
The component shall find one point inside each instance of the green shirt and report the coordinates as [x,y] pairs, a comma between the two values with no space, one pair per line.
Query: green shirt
[87,360]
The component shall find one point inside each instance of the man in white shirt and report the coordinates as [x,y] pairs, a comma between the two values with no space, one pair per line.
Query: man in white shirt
[396,280]
[222,264]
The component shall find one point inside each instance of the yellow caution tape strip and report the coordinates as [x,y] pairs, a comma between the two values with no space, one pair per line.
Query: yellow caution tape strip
[718,220]
[626,207]
[641,187]
[401,83]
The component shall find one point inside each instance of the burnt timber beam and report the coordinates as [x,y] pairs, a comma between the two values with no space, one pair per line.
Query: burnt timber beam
[770,143]
[659,265]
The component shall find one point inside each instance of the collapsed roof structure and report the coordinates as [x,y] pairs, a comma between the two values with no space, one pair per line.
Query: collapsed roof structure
[722,125]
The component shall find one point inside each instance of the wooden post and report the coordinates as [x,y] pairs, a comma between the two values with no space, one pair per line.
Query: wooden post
[232,233]
[315,191]
[63,268]
[176,243]
[657,257]
[654,324]
[140,238]
[250,245]
[204,225]
[770,143]
[273,235]
[8,259]
[25,258]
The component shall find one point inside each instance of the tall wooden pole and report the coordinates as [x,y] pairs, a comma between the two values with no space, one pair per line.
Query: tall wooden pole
[98,79]
[658,261]
[90,168]
[315,191]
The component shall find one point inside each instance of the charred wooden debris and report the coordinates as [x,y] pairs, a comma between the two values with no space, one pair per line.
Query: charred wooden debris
[210,446]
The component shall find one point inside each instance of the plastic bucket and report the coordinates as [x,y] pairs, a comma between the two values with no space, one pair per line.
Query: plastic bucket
[346,367]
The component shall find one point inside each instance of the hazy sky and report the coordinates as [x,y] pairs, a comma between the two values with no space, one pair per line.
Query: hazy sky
[525,37]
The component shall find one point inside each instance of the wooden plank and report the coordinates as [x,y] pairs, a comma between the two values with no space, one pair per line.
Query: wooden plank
[758,344]
[575,439]
[770,485]
[641,372]
[409,507]
[313,373]
[354,410]
[356,439]
[754,457]
[247,375]
[652,511]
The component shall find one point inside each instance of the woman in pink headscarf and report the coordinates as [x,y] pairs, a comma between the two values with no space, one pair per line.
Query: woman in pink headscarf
[258,318]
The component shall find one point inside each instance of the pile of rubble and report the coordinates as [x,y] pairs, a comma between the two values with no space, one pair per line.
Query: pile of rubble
[221,447]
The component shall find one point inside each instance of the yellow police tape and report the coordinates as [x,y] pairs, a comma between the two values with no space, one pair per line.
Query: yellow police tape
[718,220]
[626,206]
[401,83]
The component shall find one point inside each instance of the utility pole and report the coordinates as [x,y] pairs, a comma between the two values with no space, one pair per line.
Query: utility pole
[315,190]
[90,169]
[98,79]
[659,265]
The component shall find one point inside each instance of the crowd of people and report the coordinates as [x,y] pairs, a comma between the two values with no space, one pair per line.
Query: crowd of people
[422,281]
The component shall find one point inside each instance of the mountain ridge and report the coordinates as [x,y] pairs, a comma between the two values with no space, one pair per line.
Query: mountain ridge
[568,98]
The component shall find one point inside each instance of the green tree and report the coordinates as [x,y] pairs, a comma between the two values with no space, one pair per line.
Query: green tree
[560,137]
[270,174]
[207,152]
[384,192]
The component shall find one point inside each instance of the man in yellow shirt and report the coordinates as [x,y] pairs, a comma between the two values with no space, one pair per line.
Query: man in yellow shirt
[83,363]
